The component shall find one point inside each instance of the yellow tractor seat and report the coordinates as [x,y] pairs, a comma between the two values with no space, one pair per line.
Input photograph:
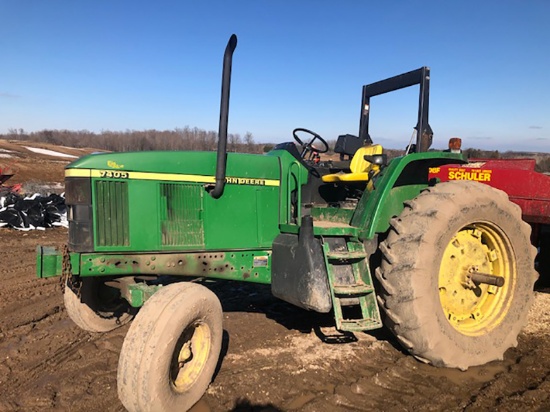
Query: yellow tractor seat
[361,169]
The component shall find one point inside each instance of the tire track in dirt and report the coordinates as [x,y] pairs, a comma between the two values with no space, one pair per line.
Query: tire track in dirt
[46,362]
[16,317]
[65,357]
[525,384]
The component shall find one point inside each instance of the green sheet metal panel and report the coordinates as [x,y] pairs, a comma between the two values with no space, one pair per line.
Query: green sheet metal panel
[293,176]
[245,217]
[189,166]
[111,211]
[181,210]
[165,203]
[403,179]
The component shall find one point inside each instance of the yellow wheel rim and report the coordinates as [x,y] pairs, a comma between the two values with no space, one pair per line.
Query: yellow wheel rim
[190,356]
[474,308]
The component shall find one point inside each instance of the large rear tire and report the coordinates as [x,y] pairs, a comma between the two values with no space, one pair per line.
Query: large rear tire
[432,305]
[171,350]
[99,308]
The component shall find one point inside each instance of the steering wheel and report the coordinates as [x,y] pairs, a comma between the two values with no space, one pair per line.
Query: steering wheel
[308,147]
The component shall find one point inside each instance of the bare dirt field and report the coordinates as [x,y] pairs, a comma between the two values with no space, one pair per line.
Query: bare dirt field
[275,357]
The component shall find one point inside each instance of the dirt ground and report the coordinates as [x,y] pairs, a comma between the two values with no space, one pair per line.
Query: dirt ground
[275,357]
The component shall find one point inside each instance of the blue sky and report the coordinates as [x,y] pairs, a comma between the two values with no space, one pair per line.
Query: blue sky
[117,65]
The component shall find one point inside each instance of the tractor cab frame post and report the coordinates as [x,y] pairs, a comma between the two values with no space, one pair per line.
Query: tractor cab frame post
[419,76]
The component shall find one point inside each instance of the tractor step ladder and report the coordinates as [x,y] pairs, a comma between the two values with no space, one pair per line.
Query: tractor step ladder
[356,290]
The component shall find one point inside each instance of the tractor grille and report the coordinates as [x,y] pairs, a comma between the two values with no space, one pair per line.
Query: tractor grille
[181,210]
[112,213]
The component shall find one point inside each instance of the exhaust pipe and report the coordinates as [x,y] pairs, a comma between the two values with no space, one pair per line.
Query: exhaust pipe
[221,162]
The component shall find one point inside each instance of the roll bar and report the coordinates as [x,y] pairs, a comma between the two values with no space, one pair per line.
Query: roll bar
[421,77]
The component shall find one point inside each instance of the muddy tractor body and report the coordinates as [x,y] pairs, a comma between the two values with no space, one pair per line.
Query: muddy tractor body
[444,266]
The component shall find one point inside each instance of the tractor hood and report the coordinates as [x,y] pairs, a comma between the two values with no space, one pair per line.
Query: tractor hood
[188,166]
[158,201]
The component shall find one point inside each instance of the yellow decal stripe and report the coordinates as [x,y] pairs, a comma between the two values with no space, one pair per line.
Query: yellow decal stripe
[172,177]
[78,173]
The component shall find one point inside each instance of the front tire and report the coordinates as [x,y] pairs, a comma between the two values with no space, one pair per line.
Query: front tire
[99,308]
[441,238]
[171,350]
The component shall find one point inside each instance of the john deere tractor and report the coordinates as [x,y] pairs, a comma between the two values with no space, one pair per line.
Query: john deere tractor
[447,267]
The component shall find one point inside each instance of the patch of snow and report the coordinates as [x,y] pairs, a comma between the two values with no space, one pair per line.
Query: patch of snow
[63,222]
[25,229]
[6,150]
[31,197]
[49,152]
[5,155]
[74,148]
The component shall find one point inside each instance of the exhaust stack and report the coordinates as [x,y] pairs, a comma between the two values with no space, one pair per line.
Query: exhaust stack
[221,162]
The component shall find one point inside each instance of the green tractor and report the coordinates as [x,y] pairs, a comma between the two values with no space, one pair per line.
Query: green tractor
[446,267]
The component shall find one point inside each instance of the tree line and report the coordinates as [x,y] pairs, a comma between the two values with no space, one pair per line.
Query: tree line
[542,165]
[192,138]
[185,138]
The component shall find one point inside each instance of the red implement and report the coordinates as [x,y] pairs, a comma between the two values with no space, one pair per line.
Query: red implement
[5,174]
[517,177]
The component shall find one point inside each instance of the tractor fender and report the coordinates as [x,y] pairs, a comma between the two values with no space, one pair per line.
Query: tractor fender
[402,180]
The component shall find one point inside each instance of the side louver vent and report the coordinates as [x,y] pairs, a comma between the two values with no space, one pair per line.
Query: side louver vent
[112,213]
[181,209]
